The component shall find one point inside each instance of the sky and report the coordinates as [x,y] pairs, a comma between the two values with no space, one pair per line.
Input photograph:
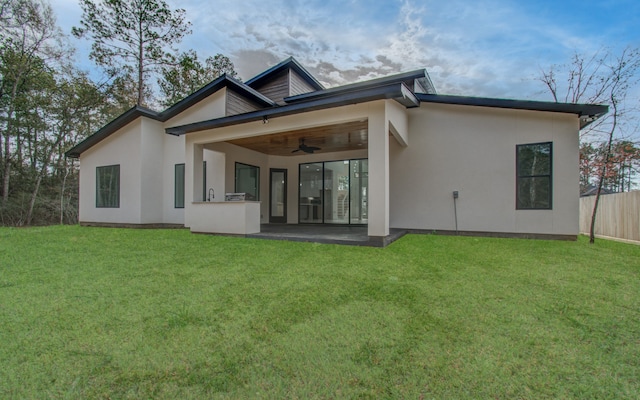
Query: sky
[489,48]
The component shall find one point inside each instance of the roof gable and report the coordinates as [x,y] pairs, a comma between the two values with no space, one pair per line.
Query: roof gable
[288,88]
[251,96]
[222,81]
[417,81]
[289,64]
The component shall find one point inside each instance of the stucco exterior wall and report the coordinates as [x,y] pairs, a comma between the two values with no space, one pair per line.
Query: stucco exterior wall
[473,150]
[432,151]
[151,169]
[209,108]
[123,148]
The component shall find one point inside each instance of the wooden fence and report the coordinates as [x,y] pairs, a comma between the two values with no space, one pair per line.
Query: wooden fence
[618,215]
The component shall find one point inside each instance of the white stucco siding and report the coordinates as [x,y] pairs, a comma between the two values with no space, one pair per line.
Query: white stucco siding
[472,150]
[225,156]
[209,108]
[122,148]
[151,170]
[215,174]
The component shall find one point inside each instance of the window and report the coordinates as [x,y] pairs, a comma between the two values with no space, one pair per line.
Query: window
[179,186]
[108,186]
[248,181]
[204,181]
[533,184]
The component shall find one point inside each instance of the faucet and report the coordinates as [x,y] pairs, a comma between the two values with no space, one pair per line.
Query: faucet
[211,195]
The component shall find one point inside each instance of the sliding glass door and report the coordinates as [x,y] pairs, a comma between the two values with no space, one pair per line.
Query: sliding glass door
[333,192]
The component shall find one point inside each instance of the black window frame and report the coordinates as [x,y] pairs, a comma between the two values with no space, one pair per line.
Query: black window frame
[178,201]
[235,179]
[204,181]
[522,175]
[99,197]
[322,198]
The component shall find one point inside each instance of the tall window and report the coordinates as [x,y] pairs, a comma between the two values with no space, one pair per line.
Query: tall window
[533,183]
[108,186]
[204,181]
[179,186]
[248,181]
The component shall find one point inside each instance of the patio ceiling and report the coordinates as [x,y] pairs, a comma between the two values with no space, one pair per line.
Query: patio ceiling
[330,138]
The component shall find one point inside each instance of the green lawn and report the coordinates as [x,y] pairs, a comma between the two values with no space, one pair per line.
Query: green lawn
[116,313]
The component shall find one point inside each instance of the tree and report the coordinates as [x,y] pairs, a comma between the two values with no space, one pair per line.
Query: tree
[188,75]
[588,165]
[46,105]
[602,78]
[30,43]
[623,165]
[132,36]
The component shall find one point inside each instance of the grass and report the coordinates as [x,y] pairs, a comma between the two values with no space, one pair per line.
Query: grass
[120,314]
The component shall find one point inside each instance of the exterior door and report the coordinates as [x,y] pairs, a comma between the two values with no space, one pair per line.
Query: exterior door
[278,196]
[334,192]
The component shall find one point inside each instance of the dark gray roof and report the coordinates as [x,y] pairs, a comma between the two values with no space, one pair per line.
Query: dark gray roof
[587,112]
[289,63]
[407,77]
[137,111]
[409,89]
[128,116]
[396,91]
[592,190]
[393,88]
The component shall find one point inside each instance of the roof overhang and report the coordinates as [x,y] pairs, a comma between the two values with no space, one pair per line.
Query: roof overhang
[415,81]
[215,85]
[127,117]
[395,91]
[586,112]
[137,111]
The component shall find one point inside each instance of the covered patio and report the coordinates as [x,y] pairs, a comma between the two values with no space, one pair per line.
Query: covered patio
[349,154]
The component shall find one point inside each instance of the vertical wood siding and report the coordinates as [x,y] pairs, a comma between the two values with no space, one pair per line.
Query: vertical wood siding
[618,215]
[237,104]
[276,89]
[299,85]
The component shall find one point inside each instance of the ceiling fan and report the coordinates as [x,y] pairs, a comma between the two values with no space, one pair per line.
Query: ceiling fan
[305,148]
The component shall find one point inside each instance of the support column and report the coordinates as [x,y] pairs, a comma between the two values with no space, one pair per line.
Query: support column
[196,173]
[192,179]
[378,126]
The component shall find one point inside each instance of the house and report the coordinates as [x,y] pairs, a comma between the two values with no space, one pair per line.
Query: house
[592,190]
[386,153]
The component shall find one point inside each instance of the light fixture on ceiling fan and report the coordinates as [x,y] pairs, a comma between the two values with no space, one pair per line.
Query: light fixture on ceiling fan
[307,149]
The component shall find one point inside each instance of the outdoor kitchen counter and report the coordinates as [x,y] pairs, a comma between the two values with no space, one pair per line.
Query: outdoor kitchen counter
[227,217]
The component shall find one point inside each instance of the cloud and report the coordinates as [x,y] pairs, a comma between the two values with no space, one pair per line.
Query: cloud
[481,48]
[250,63]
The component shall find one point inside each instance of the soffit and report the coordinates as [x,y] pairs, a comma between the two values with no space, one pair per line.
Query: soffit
[330,138]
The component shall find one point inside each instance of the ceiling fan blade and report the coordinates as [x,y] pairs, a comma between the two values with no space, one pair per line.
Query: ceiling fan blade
[313,148]
[295,150]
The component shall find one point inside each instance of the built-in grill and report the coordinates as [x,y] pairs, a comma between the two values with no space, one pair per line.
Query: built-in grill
[236,197]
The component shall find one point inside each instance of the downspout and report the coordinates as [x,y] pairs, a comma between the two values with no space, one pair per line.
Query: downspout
[455,209]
